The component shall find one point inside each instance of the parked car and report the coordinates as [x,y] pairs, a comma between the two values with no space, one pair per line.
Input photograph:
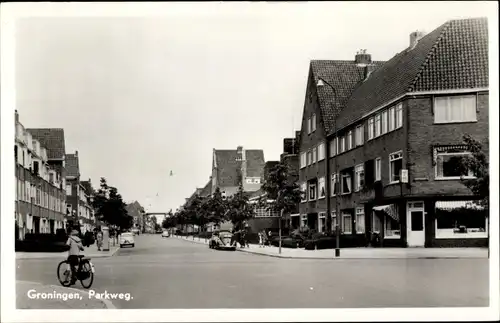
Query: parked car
[136,231]
[320,241]
[127,239]
[165,234]
[291,241]
[222,239]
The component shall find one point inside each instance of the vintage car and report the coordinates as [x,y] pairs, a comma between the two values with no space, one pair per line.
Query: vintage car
[222,239]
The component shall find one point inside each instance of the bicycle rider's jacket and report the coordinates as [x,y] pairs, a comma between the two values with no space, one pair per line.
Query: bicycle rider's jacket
[75,245]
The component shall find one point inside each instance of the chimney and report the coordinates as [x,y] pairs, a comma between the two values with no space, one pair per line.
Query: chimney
[362,58]
[368,70]
[76,153]
[17,117]
[415,37]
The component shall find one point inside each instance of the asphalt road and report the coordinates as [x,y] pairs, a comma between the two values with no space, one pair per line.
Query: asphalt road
[162,273]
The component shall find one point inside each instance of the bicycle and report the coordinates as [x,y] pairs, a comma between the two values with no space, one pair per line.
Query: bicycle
[85,271]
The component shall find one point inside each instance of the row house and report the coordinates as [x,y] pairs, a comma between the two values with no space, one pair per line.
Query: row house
[79,211]
[39,203]
[265,219]
[380,141]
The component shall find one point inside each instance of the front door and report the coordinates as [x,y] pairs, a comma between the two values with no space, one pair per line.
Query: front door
[415,224]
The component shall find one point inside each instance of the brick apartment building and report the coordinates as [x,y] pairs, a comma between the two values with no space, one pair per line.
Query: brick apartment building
[40,196]
[265,219]
[380,140]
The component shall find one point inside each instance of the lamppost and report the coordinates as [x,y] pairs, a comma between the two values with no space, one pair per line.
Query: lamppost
[322,82]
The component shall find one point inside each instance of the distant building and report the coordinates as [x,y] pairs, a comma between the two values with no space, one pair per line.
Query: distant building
[136,211]
[40,196]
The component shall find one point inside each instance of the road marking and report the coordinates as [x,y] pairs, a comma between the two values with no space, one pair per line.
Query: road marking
[106,302]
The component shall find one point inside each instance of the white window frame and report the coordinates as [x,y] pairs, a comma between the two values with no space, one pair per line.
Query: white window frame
[309,126]
[371,128]
[321,185]
[344,216]
[359,180]
[321,221]
[359,135]
[392,119]
[378,169]
[399,116]
[360,220]
[303,160]
[455,115]
[321,151]
[342,176]
[441,178]
[313,188]
[392,158]
[378,128]
[334,178]
[384,122]
[314,155]
[334,145]
[334,220]
[313,120]
[342,144]
[450,233]
[69,190]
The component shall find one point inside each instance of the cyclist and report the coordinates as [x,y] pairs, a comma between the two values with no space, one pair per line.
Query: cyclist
[75,245]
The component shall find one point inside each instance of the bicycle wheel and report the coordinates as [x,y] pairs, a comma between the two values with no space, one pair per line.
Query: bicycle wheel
[64,273]
[86,275]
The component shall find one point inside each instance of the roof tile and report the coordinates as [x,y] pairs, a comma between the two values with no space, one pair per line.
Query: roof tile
[72,165]
[52,139]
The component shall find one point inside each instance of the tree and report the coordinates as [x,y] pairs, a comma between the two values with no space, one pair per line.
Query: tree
[168,221]
[239,208]
[216,207]
[479,165]
[110,208]
[194,212]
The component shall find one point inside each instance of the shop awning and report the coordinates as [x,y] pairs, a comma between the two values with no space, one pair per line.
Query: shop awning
[450,205]
[390,210]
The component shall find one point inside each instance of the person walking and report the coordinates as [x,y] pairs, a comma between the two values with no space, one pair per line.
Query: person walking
[99,238]
[261,239]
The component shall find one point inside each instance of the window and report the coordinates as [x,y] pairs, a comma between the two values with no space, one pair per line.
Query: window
[68,189]
[342,144]
[303,160]
[335,184]
[309,126]
[334,221]
[313,126]
[371,132]
[312,192]
[303,190]
[378,169]
[346,183]
[51,178]
[359,135]
[384,122]
[346,223]
[399,116]
[359,177]
[460,219]
[321,151]
[349,140]
[333,147]
[460,108]
[392,119]
[360,220]
[395,166]
[314,155]
[377,125]
[321,187]
[309,158]
[449,162]
[321,221]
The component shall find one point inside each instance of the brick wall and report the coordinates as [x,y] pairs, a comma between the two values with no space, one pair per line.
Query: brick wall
[423,134]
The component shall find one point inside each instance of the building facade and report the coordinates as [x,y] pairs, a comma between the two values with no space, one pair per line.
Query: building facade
[136,210]
[40,195]
[380,155]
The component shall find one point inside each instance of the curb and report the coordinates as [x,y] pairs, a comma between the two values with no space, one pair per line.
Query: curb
[108,303]
[62,255]
[344,258]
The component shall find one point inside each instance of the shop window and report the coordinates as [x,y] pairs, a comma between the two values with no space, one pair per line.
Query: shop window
[460,219]
[392,228]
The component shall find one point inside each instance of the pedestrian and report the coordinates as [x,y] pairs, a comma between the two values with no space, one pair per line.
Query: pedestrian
[261,239]
[99,239]
[75,246]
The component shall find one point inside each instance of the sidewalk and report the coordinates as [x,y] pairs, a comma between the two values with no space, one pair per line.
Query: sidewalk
[91,252]
[363,253]
[31,295]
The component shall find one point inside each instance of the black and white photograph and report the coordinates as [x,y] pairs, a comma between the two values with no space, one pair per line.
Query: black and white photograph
[249,161]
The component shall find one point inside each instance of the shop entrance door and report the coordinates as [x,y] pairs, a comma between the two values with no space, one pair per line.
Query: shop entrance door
[415,224]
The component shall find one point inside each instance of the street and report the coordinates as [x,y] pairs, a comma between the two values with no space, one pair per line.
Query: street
[163,273]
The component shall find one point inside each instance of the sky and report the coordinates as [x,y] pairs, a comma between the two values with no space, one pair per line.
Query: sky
[140,96]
